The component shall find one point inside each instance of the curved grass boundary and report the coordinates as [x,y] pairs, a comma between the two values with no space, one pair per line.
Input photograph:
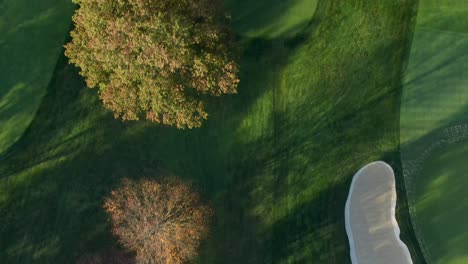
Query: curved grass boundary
[393,202]
[31,38]
[434,103]
[412,169]
[276,160]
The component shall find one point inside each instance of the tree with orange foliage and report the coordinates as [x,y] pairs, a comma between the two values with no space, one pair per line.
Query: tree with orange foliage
[161,221]
[155,59]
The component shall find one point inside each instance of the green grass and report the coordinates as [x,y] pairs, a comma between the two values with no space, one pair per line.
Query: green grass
[435,97]
[441,204]
[318,100]
[31,35]
[282,18]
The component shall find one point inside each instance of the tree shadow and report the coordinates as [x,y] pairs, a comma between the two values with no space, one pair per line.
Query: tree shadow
[434,116]
[443,190]
[275,161]
[447,16]
[311,152]
[30,39]
[74,153]
[434,82]
[270,19]
[433,172]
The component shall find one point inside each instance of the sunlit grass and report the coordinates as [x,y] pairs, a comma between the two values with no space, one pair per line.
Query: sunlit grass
[31,36]
[435,96]
[441,205]
[317,101]
[271,19]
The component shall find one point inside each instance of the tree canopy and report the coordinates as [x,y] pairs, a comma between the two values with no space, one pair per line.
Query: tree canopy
[161,221]
[155,59]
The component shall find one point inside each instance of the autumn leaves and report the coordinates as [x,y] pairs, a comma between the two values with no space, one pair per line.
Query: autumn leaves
[155,59]
[162,221]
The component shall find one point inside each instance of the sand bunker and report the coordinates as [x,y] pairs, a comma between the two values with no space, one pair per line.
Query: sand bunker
[373,232]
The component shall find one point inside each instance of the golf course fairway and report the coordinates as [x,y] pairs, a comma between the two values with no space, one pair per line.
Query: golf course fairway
[31,38]
[434,119]
[318,99]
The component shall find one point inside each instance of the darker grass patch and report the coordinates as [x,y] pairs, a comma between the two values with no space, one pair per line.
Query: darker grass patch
[30,37]
[275,160]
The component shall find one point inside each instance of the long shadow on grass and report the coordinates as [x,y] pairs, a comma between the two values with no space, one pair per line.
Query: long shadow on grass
[441,207]
[73,154]
[275,161]
[30,37]
[435,99]
[270,18]
[296,178]
[434,170]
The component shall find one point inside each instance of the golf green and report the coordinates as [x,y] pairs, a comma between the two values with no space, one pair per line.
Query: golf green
[441,205]
[31,39]
[433,116]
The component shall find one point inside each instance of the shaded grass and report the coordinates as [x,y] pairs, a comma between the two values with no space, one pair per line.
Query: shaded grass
[271,18]
[31,35]
[315,104]
[435,97]
[441,207]
[449,15]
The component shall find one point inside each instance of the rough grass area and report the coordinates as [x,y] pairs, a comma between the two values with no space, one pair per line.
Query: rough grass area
[434,115]
[316,102]
[31,36]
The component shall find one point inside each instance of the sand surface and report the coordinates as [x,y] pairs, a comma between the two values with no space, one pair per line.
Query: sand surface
[371,226]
